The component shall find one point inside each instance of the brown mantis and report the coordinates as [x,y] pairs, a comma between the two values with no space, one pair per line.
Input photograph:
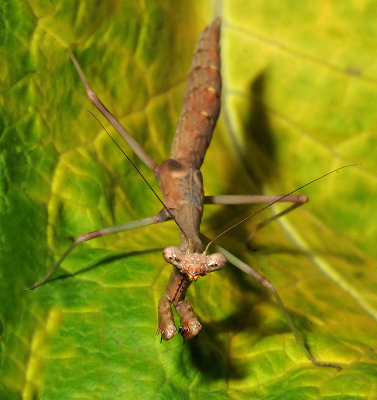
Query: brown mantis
[180,180]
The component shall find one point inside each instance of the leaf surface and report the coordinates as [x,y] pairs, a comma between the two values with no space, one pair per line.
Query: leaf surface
[299,84]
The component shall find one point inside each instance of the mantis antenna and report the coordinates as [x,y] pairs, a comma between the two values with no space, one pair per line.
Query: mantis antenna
[270,204]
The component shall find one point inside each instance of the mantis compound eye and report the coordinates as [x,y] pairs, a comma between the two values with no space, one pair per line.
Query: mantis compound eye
[216,261]
[172,255]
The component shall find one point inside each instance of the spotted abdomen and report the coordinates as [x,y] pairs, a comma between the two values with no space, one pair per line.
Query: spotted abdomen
[201,102]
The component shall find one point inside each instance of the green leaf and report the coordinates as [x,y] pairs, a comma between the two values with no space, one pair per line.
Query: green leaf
[299,83]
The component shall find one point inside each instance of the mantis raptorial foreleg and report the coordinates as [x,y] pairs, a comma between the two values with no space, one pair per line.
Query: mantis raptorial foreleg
[297,200]
[161,217]
[268,285]
[190,326]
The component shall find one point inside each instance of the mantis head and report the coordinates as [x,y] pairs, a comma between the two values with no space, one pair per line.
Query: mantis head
[194,265]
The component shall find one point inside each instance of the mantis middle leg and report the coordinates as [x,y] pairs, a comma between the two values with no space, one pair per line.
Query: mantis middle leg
[268,285]
[161,217]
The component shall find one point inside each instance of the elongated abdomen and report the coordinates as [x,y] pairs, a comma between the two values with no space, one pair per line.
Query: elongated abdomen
[201,102]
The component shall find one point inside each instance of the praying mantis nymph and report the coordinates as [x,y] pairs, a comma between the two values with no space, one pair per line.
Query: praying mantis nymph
[181,183]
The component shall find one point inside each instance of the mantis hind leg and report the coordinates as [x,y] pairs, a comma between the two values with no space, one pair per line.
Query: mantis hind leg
[138,150]
[297,200]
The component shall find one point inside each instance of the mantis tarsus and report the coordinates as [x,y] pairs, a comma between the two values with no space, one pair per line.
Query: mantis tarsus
[180,180]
